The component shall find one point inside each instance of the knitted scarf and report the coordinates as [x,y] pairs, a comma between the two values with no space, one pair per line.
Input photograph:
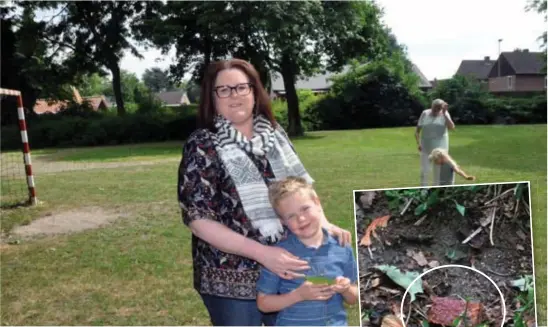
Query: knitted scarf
[234,149]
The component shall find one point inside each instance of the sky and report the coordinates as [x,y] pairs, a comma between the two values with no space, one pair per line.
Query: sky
[438,34]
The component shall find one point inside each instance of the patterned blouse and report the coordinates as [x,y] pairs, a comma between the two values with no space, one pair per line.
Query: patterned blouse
[206,191]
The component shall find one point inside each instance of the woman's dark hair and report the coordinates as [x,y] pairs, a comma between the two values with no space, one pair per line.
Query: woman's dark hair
[207,110]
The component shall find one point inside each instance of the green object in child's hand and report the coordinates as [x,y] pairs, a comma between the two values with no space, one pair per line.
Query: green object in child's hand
[320,280]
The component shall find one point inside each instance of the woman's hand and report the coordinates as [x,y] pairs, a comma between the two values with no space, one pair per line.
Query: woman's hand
[340,234]
[283,263]
[471,178]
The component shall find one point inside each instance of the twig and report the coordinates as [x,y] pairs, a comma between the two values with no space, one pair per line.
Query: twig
[367,284]
[421,219]
[493,215]
[498,196]
[492,225]
[370,253]
[516,211]
[406,206]
[408,315]
[388,290]
[527,207]
[420,313]
[499,274]
[478,230]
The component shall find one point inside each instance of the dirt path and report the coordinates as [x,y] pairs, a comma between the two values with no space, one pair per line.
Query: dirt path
[63,222]
[41,166]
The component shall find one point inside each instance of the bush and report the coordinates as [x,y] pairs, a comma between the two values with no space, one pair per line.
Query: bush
[470,103]
[306,99]
[106,130]
[371,95]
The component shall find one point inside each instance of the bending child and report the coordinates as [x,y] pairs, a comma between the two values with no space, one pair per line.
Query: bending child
[317,298]
[447,168]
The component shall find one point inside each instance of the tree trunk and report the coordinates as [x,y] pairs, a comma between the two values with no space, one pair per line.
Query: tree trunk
[117,88]
[293,114]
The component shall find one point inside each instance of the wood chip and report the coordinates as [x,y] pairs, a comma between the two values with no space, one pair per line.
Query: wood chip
[521,235]
[520,247]
[418,257]
[433,264]
[391,321]
[389,290]
[367,198]
[445,310]
[421,219]
[375,282]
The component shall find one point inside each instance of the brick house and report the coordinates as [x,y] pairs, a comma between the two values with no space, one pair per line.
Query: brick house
[45,106]
[521,73]
[478,69]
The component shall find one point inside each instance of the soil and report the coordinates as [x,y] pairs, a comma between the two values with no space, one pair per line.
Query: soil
[70,221]
[439,239]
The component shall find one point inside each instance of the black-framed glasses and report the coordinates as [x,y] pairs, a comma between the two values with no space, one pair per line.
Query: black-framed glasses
[225,91]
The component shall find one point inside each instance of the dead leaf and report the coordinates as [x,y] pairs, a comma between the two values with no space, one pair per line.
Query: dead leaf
[418,257]
[391,321]
[377,222]
[521,235]
[520,247]
[367,198]
[375,282]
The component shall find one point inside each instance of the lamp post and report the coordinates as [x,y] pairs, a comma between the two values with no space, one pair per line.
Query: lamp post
[498,60]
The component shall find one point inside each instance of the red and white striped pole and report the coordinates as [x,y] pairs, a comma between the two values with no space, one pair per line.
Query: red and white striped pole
[25,140]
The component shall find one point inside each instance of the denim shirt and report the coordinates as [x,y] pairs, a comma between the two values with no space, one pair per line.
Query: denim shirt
[329,260]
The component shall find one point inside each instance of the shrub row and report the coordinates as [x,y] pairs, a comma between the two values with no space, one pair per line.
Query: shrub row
[104,130]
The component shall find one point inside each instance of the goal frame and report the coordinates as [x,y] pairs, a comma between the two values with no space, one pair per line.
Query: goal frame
[33,200]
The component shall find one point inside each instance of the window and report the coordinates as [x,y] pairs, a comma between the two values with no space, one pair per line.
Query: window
[510,82]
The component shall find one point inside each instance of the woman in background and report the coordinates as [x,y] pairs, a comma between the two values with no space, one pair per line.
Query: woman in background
[431,133]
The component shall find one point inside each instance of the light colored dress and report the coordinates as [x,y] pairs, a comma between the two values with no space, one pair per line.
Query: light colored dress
[434,134]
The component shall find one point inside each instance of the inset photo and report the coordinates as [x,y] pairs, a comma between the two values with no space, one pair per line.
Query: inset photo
[463,254]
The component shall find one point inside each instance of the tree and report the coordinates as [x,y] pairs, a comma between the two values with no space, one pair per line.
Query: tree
[28,63]
[128,84]
[293,38]
[157,80]
[94,84]
[96,34]
[540,7]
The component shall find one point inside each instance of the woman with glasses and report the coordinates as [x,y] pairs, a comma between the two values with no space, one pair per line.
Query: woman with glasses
[223,178]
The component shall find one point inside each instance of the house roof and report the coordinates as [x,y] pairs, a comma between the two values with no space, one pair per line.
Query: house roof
[423,82]
[172,97]
[96,100]
[44,106]
[323,82]
[479,69]
[525,62]
[316,82]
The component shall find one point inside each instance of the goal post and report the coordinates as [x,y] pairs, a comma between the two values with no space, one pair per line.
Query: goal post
[25,144]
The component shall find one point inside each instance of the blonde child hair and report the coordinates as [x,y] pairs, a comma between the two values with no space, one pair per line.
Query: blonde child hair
[279,190]
[439,153]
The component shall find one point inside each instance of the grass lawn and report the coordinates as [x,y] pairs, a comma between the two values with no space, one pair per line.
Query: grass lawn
[137,271]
